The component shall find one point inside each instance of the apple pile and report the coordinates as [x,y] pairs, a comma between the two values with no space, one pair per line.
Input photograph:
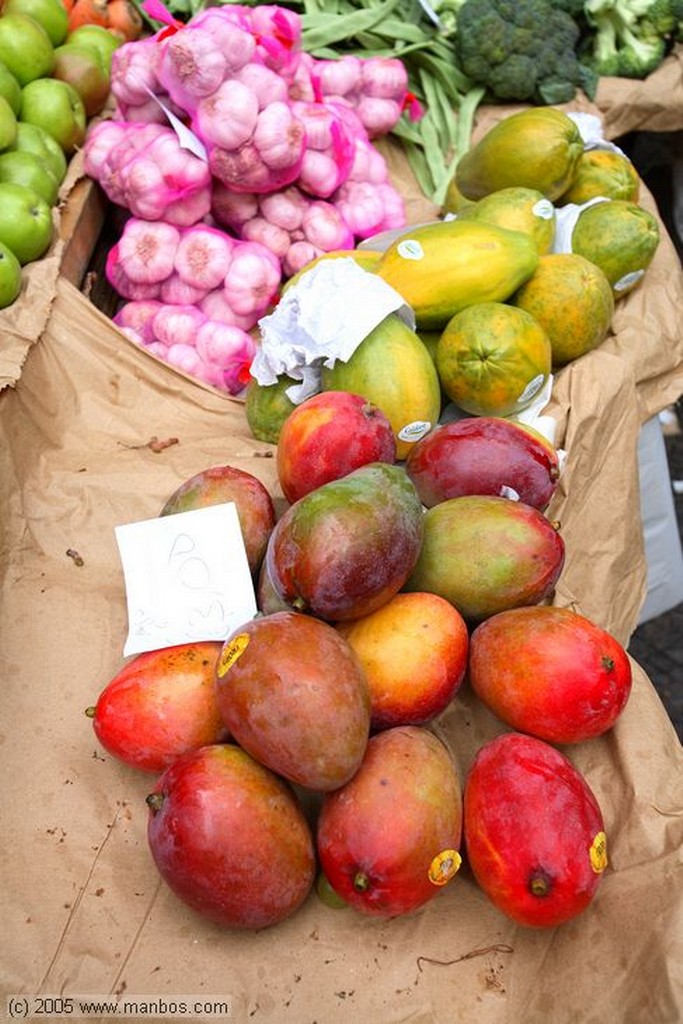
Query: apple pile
[52,82]
[303,751]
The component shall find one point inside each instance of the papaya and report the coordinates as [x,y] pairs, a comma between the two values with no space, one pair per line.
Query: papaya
[267,406]
[518,209]
[393,369]
[443,267]
[621,238]
[572,300]
[602,172]
[365,258]
[493,359]
[454,201]
[536,148]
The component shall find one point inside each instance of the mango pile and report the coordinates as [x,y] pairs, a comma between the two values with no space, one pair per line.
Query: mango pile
[406,555]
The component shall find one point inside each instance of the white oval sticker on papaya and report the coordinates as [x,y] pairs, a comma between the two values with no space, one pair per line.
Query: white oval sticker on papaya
[628,280]
[410,249]
[231,652]
[532,388]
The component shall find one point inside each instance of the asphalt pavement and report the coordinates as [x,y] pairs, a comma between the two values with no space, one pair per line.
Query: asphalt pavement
[657,645]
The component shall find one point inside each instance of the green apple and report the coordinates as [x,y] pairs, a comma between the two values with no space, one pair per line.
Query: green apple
[56,107]
[99,37]
[25,47]
[10,276]
[8,124]
[82,66]
[10,88]
[31,138]
[51,14]
[28,169]
[25,222]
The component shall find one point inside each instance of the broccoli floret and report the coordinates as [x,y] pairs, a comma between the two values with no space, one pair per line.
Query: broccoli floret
[623,41]
[519,49]
[664,18]
[444,13]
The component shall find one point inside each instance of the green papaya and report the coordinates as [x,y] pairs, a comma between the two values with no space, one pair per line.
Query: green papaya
[443,267]
[393,369]
[517,209]
[602,172]
[267,406]
[619,237]
[534,148]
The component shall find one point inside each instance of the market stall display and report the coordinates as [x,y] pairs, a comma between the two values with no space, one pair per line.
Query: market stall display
[98,432]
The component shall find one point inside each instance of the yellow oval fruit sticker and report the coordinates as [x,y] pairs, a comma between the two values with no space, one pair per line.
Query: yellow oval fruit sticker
[444,866]
[231,652]
[598,853]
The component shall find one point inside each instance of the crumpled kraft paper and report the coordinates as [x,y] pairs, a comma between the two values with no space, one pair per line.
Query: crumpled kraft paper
[84,910]
[654,104]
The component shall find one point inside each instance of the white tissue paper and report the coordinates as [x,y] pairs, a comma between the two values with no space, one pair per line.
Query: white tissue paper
[590,130]
[322,318]
[565,222]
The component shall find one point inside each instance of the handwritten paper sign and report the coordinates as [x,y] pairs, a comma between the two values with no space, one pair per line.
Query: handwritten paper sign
[187,578]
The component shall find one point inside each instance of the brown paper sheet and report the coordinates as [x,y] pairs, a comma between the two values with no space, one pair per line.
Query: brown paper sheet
[652,105]
[84,910]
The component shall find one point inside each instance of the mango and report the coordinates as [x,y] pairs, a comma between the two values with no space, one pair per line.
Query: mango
[483,455]
[550,672]
[388,841]
[534,831]
[443,267]
[535,148]
[327,436]
[230,838]
[414,654]
[485,554]
[219,484]
[347,547]
[296,697]
[159,705]
[392,369]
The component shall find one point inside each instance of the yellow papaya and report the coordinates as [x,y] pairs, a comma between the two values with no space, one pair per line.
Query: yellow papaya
[454,200]
[517,209]
[602,172]
[572,300]
[493,359]
[535,148]
[393,369]
[365,258]
[619,236]
[443,267]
